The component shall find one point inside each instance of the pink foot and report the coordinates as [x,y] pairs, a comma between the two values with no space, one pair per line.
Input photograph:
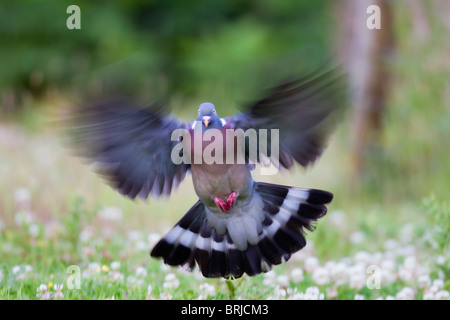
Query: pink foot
[221,204]
[231,199]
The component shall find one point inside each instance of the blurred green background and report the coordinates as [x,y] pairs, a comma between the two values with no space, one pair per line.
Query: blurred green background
[161,50]
[183,53]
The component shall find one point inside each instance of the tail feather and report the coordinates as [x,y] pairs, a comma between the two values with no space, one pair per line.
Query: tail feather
[288,212]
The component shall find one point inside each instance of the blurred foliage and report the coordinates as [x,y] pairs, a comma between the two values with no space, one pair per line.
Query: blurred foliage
[184,53]
[157,49]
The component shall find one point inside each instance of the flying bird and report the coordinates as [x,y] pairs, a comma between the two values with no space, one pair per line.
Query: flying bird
[238,225]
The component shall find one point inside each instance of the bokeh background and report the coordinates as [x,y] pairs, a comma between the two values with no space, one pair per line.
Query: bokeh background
[388,164]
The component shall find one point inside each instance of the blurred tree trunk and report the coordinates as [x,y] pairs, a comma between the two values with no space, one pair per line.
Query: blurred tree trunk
[365,51]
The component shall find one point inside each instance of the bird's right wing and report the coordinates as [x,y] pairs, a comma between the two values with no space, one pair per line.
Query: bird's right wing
[305,111]
[131,147]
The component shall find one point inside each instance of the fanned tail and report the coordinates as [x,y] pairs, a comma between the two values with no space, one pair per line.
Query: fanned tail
[288,212]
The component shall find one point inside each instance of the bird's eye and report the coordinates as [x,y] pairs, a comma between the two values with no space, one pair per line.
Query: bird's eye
[198,111]
[214,111]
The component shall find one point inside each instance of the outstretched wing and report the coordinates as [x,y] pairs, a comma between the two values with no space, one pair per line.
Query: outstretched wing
[130,147]
[305,111]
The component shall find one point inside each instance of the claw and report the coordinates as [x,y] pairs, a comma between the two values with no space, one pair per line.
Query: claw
[221,204]
[231,199]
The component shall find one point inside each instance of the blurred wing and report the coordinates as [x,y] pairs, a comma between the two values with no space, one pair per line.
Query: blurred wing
[305,111]
[131,147]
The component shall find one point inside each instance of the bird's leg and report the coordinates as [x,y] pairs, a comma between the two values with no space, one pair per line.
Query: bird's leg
[231,199]
[221,204]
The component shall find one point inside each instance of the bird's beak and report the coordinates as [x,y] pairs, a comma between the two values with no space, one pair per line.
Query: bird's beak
[206,120]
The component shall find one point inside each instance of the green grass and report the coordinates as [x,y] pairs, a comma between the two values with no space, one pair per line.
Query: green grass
[396,218]
[56,222]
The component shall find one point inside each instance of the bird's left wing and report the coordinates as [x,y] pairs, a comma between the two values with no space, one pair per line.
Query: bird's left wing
[304,111]
[131,147]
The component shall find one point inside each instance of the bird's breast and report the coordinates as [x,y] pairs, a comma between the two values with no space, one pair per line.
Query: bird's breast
[221,180]
[214,146]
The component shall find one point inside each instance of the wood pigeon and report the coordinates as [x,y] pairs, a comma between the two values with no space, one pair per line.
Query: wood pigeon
[238,225]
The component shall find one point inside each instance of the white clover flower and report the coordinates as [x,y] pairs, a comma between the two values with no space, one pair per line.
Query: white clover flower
[311,263]
[85,235]
[21,271]
[134,235]
[165,296]
[153,238]
[207,289]
[338,218]
[279,293]
[110,214]
[423,281]
[359,297]
[171,281]
[410,263]
[132,281]
[356,276]
[297,275]
[332,292]
[357,237]
[339,273]
[141,272]
[141,245]
[297,296]
[440,260]
[390,244]
[58,294]
[16,269]
[428,295]
[269,278]
[165,268]
[407,232]
[33,230]
[94,267]
[438,283]
[283,280]
[149,293]
[42,288]
[377,258]
[115,265]
[58,287]
[433,289]
[362,257]
[321,276]
[91,269]
[116,276]
[388,265]
[406,293]
[409,250]
[330,265]
[43,293]
[23,218]
[313,293]
[22,196]
[442,295]
[405,274]
[170,277]
[387,276]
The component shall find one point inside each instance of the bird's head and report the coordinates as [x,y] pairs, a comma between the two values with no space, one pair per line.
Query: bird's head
[208,116]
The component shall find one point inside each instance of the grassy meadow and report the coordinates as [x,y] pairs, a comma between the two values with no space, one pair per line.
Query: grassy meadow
[64,234]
